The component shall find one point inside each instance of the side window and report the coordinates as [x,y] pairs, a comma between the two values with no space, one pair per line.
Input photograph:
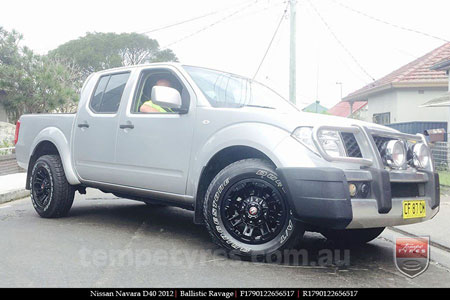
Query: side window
[107,95]
[96,101]
[157,77]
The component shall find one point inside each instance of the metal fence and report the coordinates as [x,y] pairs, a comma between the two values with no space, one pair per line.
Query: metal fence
[441,154]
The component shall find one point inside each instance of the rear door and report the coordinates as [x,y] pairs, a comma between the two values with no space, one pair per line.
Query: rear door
[96,128]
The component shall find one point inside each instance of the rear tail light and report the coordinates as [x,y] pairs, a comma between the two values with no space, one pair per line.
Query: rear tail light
[16,136]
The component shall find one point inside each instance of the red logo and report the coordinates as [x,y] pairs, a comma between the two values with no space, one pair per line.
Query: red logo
[253,210]
[412,255]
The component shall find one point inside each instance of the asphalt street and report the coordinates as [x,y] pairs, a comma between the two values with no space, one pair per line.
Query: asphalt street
[111,242]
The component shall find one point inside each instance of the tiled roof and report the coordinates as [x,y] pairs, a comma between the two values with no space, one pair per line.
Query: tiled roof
[342,109]
[416,72]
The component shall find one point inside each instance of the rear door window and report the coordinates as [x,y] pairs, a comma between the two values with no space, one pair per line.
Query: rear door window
[107,94]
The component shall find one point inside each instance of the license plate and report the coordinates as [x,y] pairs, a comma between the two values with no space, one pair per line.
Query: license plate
[414,209]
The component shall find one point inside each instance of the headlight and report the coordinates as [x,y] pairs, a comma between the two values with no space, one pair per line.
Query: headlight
[421,155]
[331,143]
[395,153]
[304,136]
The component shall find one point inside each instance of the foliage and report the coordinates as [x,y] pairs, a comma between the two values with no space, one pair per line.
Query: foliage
[30,83]
[5,144]
[444,178]
[98,51]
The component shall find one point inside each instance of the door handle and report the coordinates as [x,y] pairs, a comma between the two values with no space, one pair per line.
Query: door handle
[83,125]
[126,126]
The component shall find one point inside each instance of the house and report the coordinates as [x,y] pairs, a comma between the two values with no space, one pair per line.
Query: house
[444,99]
[358,110]
[315,107]
[397,97]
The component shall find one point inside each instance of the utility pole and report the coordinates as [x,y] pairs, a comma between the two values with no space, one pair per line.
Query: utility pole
[292,50]
[340,83]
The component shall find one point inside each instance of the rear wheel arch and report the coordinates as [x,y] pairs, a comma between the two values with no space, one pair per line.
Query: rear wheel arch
[41,149]
[51,195]
[217,163]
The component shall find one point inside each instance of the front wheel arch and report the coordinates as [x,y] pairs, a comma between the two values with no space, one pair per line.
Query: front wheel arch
[281,232]
[217,163]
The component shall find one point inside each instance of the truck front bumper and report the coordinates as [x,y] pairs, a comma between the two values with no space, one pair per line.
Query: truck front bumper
[321,197]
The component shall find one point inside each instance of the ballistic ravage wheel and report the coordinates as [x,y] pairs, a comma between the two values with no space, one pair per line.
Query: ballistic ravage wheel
[51,194]
[246,211]
[353,236]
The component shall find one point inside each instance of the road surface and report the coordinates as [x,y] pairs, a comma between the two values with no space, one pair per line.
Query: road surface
[111,242]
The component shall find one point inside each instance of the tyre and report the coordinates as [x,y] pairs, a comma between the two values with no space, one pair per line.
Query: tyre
[353,236]
[246,211]
[51,194]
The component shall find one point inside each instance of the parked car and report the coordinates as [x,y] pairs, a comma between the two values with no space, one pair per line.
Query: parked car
[254,169]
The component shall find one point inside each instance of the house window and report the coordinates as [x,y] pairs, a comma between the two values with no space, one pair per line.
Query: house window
[383,118]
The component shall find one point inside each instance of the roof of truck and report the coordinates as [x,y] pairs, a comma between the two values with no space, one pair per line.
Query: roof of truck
[175,64]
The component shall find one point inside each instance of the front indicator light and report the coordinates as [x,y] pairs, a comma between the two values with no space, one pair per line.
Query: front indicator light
[352,189]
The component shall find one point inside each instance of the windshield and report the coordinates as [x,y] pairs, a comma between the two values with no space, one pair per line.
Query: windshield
[233,91]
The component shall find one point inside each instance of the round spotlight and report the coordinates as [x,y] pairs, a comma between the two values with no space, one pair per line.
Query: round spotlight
[395,153]
[421,155]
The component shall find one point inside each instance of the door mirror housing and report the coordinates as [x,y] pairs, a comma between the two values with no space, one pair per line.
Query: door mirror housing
[166,97]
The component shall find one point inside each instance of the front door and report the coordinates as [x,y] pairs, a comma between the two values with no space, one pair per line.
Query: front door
[154,148]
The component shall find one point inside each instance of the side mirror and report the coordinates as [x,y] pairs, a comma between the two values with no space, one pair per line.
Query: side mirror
[166,97]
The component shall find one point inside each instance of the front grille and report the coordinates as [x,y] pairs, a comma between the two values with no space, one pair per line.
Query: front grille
[351,145]
[380,141]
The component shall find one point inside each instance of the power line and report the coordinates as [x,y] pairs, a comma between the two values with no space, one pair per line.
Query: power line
[212,24]
[182,22]
[339,41]
[185,21]
[271,41]
[389,23]
[254,12]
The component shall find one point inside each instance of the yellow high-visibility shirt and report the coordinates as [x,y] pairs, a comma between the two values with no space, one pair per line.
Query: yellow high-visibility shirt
[156,106]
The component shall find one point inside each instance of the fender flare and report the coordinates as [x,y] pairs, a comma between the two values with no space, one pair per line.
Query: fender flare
[59,140]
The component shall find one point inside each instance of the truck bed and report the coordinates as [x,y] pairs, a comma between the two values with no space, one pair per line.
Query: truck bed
[32,125]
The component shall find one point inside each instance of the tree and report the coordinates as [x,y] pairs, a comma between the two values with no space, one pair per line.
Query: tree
[31,83]
[98,51]
[9,46]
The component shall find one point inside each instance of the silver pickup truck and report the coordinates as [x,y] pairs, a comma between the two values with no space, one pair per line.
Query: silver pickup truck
[253,168]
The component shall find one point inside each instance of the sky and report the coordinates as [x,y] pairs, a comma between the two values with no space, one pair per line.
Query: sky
[235,35]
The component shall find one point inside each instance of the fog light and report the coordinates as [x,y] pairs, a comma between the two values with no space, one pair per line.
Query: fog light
[352,189]
[364,190]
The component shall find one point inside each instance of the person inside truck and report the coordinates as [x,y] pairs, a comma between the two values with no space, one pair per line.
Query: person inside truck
[150,107]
